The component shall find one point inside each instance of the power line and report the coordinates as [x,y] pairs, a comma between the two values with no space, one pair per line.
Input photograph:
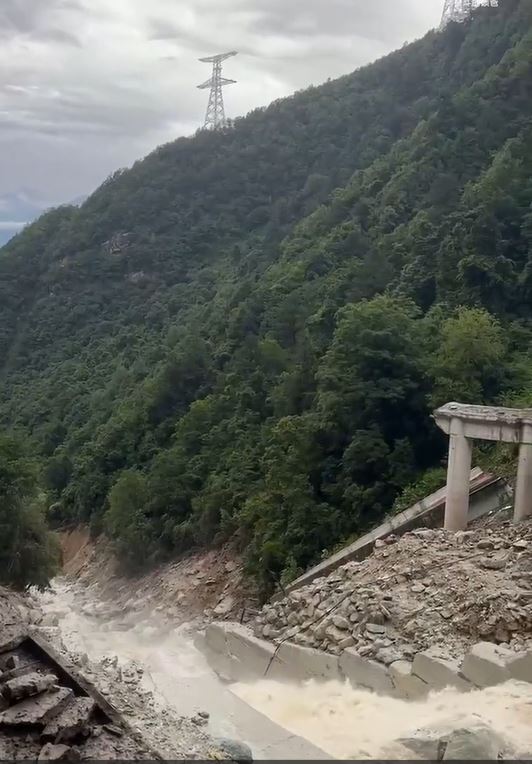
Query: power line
[215,117]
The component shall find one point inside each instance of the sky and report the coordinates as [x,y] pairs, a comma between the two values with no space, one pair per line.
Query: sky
[88,86]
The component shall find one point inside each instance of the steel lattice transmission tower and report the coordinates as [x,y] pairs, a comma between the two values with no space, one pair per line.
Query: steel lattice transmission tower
[460,10]
[215,117]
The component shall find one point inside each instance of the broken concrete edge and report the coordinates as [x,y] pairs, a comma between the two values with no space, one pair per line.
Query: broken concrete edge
[237,655]
[71,677]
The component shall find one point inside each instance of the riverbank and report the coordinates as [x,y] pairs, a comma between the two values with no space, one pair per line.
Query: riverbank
[199,587]
[150,668]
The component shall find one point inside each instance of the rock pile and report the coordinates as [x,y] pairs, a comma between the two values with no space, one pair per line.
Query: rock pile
[430,588]
[44,716]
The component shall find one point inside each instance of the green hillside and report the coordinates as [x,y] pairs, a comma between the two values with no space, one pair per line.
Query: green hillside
[244,334]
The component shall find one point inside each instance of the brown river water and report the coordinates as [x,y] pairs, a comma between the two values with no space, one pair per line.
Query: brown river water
[280,721]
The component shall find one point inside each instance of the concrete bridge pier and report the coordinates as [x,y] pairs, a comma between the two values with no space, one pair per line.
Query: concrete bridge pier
[464,424]
[458,477]
[523,486]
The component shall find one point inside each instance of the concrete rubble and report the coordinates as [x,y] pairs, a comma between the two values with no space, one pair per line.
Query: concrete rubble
[42,719]
[428,589]
[47,713]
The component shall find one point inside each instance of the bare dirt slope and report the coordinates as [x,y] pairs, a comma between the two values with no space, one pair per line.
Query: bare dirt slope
[201,586]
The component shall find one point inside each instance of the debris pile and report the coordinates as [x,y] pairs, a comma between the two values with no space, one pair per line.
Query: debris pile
[430,588]
[45,714]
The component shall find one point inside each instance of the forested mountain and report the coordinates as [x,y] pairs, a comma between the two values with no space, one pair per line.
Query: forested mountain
[244,335]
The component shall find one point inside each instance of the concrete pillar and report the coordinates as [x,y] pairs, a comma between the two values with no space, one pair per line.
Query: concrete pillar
[523,487]
[458,477]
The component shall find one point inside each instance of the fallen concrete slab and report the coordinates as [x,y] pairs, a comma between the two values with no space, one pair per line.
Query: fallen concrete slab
[302,663]
[242,656]
[407,685]
[254,655]
[72,721]
[439,673]
[362,672]
[22,722]
[520,666]
[486,664]
[38,710]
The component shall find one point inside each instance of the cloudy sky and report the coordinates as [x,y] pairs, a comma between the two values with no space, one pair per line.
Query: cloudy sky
[87,86]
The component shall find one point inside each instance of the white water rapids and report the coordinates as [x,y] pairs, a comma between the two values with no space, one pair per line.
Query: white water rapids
[343,722]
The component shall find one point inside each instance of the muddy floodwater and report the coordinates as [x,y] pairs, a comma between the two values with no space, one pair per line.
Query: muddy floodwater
[275,719]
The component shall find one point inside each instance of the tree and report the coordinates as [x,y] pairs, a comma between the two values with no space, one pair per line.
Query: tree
[469,364]
[29,554]
[126,520]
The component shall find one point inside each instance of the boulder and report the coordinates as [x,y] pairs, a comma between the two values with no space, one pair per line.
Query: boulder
[388,655]
[234,749]
[375,628]
[335,635]
[476,744]
[28,684]
[486,664]
[225,606]
[493,563]
[51,752]
[424,745]
[341,623]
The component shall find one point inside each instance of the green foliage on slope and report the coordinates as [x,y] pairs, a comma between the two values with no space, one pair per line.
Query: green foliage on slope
[244,334]
[28,552]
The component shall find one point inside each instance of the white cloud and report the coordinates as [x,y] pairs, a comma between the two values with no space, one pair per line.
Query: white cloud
[87,86]
[11,225]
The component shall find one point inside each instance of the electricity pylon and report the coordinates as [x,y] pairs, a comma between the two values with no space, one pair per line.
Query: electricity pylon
[215,117]
[460,10]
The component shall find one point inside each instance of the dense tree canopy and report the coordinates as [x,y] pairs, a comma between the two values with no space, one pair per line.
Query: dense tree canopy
[28,552]
[244,334]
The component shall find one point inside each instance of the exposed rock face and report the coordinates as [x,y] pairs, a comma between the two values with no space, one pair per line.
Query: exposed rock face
[430,588]
[36,711]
